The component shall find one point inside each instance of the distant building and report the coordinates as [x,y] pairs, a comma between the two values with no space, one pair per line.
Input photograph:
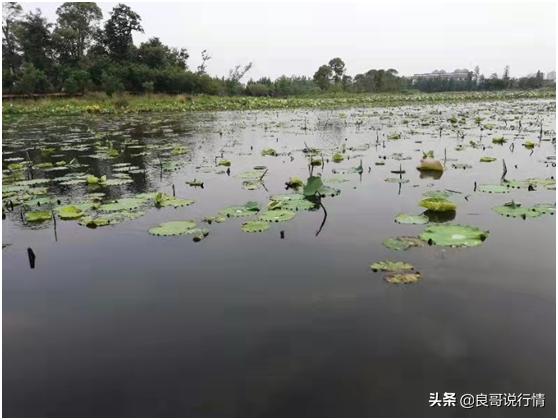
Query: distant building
[459,74]
[551,75]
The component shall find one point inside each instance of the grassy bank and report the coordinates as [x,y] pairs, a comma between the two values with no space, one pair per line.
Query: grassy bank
[100,103]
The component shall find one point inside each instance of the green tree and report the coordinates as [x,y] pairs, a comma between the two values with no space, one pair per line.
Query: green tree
[32,80]
[338,67]
[118,31]
[35,39]
[322,77]
[11,60]
[75,29]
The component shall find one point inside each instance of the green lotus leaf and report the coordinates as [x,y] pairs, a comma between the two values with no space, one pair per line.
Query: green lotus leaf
[37,216]
[217,219]
[224,162]
[402,278]
[437,204]
[251,185]
[493,189]
[277,215]
[487,159]
[499,140]
[174,228]
[437,194]
[164,200]
[255,226]
[313,185]
[269,152]
[338,157]
[251,175]
[402,243]
[453,235]
[293,202]
[122,204]
[513,209]
[327,191]
[391,266]
[248,209]
[529,144]
[70,212]
[93,223]
[410,219]
[545,208]
[396,180]
[295,182]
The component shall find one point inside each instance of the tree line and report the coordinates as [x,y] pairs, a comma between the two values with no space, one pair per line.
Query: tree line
[77,54]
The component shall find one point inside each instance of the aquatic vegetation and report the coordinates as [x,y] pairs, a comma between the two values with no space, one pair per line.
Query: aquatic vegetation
[428,163]
[174,228]
[37,216]
[409,219]
[224,162]
[70,212]
[338,157]
[437,204]
[402,243]
[403,278]
[278,215]
[248,209]
[499,140]
[514,209]
[269,152]
[253,226]
[493,189]
[391,266]
[453,235]
[487,159]
[122,204]
[164,200]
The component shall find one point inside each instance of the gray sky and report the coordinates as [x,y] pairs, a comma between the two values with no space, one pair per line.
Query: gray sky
[412,36]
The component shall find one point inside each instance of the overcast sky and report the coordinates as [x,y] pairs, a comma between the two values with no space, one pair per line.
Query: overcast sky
[412,36]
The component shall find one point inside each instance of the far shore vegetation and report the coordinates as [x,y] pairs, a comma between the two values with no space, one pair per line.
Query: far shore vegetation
[100,103]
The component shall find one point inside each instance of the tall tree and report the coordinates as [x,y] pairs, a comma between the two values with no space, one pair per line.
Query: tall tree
[118,31]
[11,11]
[338,67]
[35,39]
[75,28]
[322,77]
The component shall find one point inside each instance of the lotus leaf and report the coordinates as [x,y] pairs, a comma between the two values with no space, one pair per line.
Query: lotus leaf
[277,215]
[70,212]
[402,278]
[391,266]
[401,243]
[453,235]
[409,219]
[487,159]
[37,216]
[255,226]
[493,189]
[173,228]
[437,204]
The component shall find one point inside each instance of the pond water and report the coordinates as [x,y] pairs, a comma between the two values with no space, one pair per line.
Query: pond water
[114,321]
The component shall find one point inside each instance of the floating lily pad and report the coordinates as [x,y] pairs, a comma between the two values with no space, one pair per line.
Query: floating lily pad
[37,216]
[70,212]
[164,200]
[122,204]
[391,266]
[487,159]
[403,278]
[493,189]
[293,202]
[545,208]
[173,228]
[437,204]
[269,152]
[255,226]
[454,235]
[277,215]
[396,180]
[248,209]
[402,243]
[410,219]
[312,186]
[513,209]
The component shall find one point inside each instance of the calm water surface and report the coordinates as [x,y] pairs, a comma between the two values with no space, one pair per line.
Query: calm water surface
[115,322]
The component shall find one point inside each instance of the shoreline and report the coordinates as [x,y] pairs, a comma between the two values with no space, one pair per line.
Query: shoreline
[122,104]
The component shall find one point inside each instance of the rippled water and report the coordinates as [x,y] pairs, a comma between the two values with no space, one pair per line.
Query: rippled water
[116,322]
